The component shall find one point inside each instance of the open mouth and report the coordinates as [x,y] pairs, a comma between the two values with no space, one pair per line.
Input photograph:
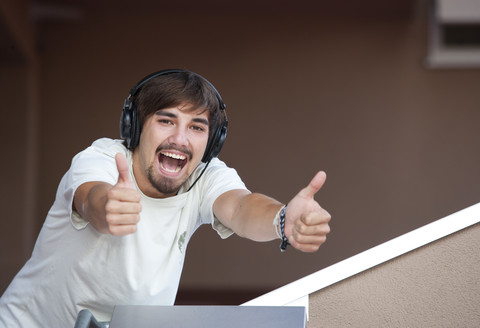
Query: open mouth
[171,162]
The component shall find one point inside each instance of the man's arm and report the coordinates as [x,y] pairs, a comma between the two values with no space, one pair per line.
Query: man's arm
[251,215]
[110,209]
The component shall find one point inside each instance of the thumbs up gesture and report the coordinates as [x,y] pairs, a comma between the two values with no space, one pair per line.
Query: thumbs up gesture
[122,209]
[306,222]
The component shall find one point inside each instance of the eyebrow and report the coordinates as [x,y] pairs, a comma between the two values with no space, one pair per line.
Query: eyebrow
[199,120]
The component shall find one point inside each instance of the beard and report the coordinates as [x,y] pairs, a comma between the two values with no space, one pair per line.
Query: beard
[163,185]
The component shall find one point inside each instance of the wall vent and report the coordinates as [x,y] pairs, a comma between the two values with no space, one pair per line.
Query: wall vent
[454,34]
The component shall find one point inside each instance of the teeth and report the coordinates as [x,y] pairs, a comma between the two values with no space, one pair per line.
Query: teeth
[172,155]
[176,170]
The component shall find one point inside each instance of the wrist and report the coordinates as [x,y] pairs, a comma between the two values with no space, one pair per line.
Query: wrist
[279,223]
[276,223]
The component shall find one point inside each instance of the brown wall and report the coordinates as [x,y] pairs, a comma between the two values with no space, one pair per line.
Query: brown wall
[305,91]
[20,105]
[434,286]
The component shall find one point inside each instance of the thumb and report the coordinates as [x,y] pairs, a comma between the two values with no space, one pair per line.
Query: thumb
[123,171]
[314,186]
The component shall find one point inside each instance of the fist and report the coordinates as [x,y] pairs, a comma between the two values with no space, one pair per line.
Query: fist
[307,223]
[122,209]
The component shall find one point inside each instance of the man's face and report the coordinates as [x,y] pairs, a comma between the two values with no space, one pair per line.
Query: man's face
[171,146]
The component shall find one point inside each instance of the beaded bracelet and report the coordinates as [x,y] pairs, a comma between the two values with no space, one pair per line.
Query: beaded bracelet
[285,243]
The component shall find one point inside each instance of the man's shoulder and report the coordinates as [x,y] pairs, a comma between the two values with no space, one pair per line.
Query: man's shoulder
[109,147]
[103,148]
[218,172]
[217,163]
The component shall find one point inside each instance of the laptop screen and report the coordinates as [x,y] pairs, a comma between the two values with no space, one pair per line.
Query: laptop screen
[147,316]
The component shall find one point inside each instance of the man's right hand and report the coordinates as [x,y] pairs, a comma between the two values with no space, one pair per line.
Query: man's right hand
[122,209]
[110,209]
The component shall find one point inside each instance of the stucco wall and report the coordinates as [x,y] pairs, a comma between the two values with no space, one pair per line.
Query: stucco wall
[437,285]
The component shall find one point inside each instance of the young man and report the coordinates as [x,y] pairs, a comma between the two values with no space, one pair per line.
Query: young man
[125,210]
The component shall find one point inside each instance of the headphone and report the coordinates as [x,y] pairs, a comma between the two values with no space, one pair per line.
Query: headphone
[130,129]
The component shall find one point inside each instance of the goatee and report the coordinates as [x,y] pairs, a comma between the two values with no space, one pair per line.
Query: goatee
[163,185]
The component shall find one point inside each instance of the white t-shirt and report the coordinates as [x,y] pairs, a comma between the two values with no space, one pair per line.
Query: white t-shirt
[75,267]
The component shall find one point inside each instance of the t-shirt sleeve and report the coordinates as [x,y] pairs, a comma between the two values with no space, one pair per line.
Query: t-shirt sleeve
[217,179]
[96,163]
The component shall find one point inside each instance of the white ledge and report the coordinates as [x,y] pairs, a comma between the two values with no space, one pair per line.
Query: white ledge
[289,294]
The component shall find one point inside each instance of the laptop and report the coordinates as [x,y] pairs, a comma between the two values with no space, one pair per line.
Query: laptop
[199,316]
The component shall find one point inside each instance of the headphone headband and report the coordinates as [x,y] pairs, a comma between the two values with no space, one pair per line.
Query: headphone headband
[147,78]
[129,125]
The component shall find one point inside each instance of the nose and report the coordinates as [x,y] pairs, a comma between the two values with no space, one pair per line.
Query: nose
[179,137]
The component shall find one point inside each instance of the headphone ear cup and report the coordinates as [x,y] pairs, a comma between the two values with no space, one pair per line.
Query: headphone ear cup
[129,130]
[125,124]
[135,133]
[215,144]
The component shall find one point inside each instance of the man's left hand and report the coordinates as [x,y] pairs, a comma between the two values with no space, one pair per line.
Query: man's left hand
[306,222]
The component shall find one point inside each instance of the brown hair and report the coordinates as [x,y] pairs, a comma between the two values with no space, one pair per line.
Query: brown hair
[174,89]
